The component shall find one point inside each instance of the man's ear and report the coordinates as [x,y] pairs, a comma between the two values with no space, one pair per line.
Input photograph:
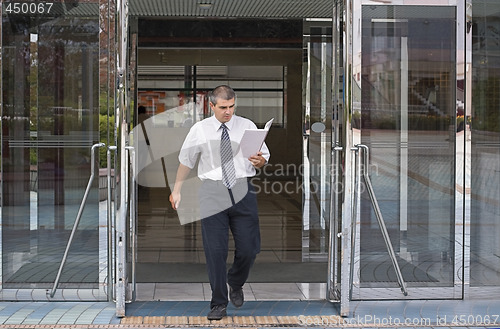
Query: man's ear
[212,105]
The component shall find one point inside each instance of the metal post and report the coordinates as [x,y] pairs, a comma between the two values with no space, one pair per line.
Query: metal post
[132,224]
[332,291]
[347,105]
[111,293]
[332,284]
[121,115]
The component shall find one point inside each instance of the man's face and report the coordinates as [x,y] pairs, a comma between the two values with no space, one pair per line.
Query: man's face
[223,110]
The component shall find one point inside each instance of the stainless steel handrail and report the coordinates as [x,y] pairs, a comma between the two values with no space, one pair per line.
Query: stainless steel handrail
[111,294]
[332,293]
[356,181]
[133,224]
[78,216]
[380,219]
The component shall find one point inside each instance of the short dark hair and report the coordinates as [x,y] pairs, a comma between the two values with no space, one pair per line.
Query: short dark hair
[141,109]
[223,91]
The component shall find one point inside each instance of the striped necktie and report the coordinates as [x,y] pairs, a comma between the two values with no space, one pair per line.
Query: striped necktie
[226,155]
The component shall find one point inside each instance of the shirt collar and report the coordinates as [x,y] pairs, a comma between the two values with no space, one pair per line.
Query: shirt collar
[217,123]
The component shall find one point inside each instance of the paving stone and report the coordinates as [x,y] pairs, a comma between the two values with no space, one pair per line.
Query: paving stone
[176,320]
[243,320]
[288,320]
[154,320]
[132,320]
[266,320]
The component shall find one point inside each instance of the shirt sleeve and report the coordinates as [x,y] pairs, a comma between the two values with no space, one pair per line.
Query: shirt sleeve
[191,147]
[265,152]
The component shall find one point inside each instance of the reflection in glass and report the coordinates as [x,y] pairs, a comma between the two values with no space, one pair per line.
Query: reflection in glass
[485,140]
[50,121]
[407,119]
[317,112]
[260,92]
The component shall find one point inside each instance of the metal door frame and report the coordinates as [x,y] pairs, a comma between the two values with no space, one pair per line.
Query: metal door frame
[124,247]
[122,201]
[56,293]
[346,148]
[324,118]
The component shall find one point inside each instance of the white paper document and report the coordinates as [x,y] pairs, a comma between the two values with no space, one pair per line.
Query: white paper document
[252,140]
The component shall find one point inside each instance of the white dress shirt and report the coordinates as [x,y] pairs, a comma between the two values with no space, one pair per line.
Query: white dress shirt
[203,141]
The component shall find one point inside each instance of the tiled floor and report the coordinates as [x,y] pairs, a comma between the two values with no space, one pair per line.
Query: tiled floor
[253,291]
[192,314]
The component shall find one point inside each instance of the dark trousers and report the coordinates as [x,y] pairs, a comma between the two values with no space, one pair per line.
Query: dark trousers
[243,221]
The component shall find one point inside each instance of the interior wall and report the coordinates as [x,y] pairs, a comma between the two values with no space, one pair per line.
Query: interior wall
[285,143]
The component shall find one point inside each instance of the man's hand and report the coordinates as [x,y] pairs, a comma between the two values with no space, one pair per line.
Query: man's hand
[257,160]
[175,199]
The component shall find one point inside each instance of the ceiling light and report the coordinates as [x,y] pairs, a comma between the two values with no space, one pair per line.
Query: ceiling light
[204,5]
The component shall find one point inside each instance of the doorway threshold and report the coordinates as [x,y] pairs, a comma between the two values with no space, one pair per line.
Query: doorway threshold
[254,313]
[254,292]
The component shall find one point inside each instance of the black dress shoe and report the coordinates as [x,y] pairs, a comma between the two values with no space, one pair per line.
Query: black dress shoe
[217,312]
[236,297]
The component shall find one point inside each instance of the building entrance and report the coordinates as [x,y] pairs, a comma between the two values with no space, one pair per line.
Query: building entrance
[384,145]
[172,84]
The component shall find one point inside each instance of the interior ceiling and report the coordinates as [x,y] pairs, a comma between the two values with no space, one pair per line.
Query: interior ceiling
[232,8]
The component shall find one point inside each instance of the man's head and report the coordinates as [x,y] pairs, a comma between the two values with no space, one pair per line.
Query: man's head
[222,102]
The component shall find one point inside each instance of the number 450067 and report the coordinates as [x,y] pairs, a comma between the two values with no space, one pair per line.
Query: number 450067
[28,8]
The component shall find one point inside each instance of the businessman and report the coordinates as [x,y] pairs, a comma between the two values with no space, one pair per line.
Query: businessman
[227,199]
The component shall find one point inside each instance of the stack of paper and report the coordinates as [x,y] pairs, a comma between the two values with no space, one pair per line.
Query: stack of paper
[252,140]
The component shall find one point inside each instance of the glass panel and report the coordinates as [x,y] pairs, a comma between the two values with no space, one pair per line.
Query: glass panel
[485,166]
[317,129]
[407,119]
[260,92]
[268,84]
[50,121]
